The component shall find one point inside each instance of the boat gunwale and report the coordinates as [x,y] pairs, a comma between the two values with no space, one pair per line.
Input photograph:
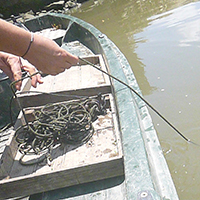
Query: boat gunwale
[140,141]
[163,183]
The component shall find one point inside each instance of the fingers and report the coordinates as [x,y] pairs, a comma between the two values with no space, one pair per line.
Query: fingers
[59,70]
[71,59]
[32,70]
[15,67]
[36,79]
[67,61]
[17,77]
[12,66]
[68,65]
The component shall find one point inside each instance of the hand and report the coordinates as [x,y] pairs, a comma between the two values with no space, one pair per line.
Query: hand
[49,57]
[25,65]
[44,53]
[12,65]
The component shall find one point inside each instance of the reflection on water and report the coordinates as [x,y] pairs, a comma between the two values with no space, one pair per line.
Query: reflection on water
[184,20]
[170,54]
[161,41]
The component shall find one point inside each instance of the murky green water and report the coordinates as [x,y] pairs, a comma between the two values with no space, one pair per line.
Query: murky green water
[161,40]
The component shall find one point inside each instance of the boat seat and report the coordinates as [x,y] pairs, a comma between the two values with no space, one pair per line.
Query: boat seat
[78,49]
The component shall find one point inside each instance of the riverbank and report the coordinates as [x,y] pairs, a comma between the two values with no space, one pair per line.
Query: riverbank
[15,7]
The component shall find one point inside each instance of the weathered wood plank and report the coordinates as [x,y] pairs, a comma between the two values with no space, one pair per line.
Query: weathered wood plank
[98,159]
[77,77]
[39,99]
[8,152]
[112,189]
[59,179]
[78,81]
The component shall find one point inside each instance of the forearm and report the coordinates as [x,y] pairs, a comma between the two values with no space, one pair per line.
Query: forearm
[44,53]
[13,39]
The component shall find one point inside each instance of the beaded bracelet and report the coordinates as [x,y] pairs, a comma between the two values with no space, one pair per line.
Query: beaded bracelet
[29,46]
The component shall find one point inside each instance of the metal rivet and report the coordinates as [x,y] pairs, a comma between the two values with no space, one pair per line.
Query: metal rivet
[101,36]
[144,194]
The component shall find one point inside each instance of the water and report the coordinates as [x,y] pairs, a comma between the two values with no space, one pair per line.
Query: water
[161,40]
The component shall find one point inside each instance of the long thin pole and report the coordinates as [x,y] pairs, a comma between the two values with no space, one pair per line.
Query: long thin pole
[144,100]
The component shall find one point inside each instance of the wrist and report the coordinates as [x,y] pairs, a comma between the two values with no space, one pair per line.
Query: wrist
[29,46]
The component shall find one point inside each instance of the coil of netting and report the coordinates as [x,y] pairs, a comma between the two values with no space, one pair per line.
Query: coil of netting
[69,122]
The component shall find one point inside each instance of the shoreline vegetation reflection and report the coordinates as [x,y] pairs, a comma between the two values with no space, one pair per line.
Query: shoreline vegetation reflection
[134,17]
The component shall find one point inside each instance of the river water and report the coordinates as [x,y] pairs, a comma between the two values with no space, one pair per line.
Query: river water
[161,40]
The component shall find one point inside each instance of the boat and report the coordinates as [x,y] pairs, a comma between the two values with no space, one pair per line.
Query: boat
[137,169]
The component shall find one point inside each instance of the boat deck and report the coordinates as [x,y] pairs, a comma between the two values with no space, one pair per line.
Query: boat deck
[100,158]
[146,174]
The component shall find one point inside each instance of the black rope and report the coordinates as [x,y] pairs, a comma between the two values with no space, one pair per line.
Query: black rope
[69,122]
[144,100]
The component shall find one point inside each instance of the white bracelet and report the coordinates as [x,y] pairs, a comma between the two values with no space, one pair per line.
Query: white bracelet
[29,46]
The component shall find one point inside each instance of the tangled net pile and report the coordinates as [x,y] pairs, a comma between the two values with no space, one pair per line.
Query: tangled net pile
[69,122]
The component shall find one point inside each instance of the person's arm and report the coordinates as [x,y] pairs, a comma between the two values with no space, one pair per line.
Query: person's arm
[12,65]
[13,39]
[44,53]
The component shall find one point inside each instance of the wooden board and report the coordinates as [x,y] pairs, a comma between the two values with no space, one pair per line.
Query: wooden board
[7,152]
[83,80]
[100,158]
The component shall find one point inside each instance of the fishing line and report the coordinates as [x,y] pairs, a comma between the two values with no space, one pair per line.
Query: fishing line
[144,100]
